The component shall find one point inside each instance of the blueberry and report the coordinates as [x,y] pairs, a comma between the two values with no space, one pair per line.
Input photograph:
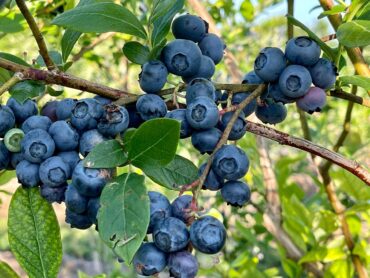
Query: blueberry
[64,135]
[252,78]
[236,193]
[189,27]
[92,209]
[212,46]
[134,116]
[324,74]
[149,260]
[171,235]
[28,174]
[89,140]
[90,182]
[13,139]
[200,87]
[64,108]
[295,81]
[86,114]
[230,162]
[223,99]
[53,194]
[33,122]
[206,69]
[239,97]
[302,51]
[114,120]
[277,95]
[213,182]
[239,128]
[4,156]
[207,235]
[182,265]
[7,119]
[71,158]
[74,200]
[218,96]
[313,101]
[54,171]
[102,100]
[205,141]
[22,111]
[202,113]
[153,77]
[37,145]
[15,158]
[78,221]
[269,64]
[182,57]
[271,112]
[181,208]
[151,107]
[160,208]
[180,114]
[49,110]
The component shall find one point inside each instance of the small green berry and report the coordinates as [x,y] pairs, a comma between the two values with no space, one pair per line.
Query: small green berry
[13,140]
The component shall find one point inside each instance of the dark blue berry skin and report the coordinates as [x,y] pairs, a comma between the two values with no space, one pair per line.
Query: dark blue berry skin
[302,51]
[151,106]
[92,209]
[181,208]
[202,113]
[149,260]
[295,81]
[15,158]
[239,128]
[189,27]
[269,64]
[7,119]
[182,57]
[53,194]
[171,235]
[160,208]
[212,46]
[33,122]
[236,193]
[180,114]
[271,112]
[206,69]
[239,97]
[78,221]
[64,108]
[54,172]
[182,265]
[277,95]
[218,96]
[71,158]
[90,182]
[89,140]
[4,156]
[230,162]
[49,110]
[86,114]
[102,100]
[37,145]
[22,111]
[153,77]
[206,140]
[224,98]
[212,182]
[252,78]
[134,116]
[66,138]
[28,174]
[313,101]
[208,235]
[200,87]
[74,200]
[114,120]
[324,74]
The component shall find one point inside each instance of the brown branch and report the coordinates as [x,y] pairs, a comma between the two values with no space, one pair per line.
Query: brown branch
[36,34]
[329,37]
[351,97]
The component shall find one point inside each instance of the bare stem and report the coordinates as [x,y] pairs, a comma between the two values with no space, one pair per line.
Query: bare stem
[11,82]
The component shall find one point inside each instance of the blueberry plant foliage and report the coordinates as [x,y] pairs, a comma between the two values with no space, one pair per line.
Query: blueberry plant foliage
[104,156]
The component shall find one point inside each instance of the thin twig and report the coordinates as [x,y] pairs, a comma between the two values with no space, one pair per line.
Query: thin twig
[329,37]
[351,97]
[11,82]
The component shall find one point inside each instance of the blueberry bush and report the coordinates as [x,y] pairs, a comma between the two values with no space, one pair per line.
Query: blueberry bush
[173,171]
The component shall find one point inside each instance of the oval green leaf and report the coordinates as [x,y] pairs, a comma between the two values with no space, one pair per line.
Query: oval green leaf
[26,90]
[136,52]
[108,154]
[357,80]
[355,33]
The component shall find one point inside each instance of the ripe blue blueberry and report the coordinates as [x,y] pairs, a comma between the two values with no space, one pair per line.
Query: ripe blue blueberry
[238,129]
[151,106]
[86,114]
[295,81]
[171,235]
[49,110]
[53,194]
[302,51]
[134,116]
[206,69]
[239,97]
[182,57]
[33,122]
[269,64]
[37,145]
[78,221]
[213,182]
[74,200]
[223,100]
[54,171]
[93,208]
[160,209]
[89,139]
[71,158]
[206,140]
[182,265]
[22,111]
[313,101]
[149,260]
[114,120]
[230,162]
[207,235]
[153,77]
[277,95]
[15,158]
[200,87]
[181,208]
[252,78]
[324,74]
[218,96]
[28,174]
[189,27]
[202,113]
[66,138]
[180,114]
[102,100]
[4,156]
[271,112]
[7,119]
[64,108]
[236,193]
[212,46]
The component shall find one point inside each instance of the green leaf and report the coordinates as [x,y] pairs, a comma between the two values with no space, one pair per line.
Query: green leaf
[34,234]
[364,13]
[123,216]
[4,75]
[26,90]
[355,33]
[156,51]
[335,10]
[6,176]
[55,56]
[108,154]
[127,136]
[154,143]
[111,18]
[159,9]
[247,10]
[11,23]
[136,52]
[179,171]
[357,80]
[6,271]
[69,40]
[13,59]
[324,253]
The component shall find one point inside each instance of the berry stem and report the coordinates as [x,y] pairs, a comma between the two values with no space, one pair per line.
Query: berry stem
[11,82]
